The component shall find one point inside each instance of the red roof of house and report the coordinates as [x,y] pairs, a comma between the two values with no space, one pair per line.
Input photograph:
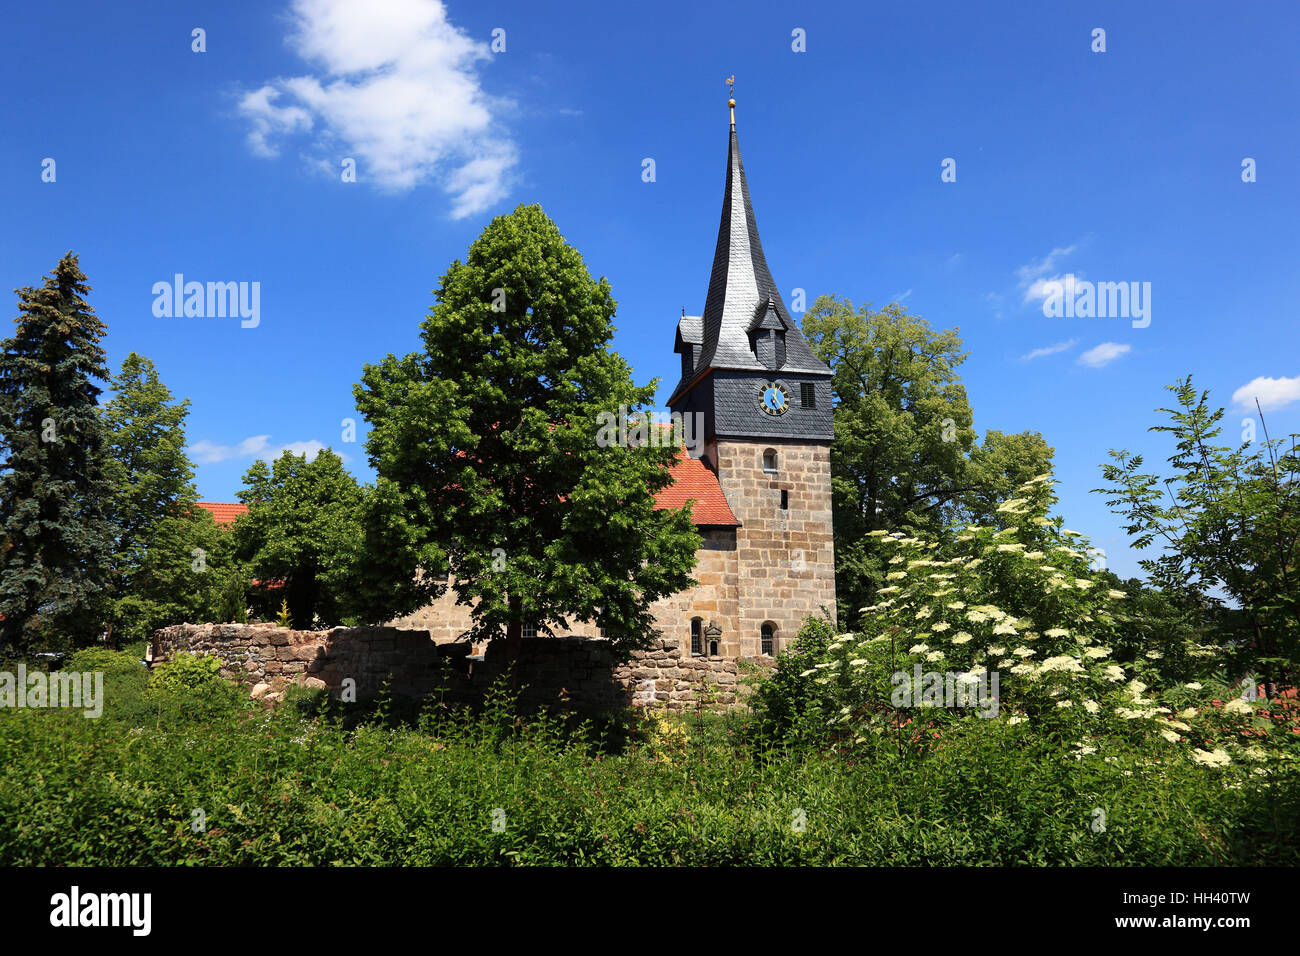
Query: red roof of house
[222,512]
[691,480]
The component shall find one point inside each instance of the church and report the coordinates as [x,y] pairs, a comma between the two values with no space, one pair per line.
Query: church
[761,484]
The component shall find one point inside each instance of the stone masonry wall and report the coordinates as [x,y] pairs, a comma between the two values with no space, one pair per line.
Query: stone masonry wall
[576,672]
[785,557]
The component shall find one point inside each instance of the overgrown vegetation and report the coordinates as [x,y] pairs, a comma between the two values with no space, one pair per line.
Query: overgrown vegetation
[306,785]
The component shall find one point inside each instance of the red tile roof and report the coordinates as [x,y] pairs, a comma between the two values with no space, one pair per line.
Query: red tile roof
[222,512]
[691,480]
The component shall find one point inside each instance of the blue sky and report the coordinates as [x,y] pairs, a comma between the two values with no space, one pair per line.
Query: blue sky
[224,165]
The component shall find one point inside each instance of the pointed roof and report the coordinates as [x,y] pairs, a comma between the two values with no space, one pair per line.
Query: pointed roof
[742,294]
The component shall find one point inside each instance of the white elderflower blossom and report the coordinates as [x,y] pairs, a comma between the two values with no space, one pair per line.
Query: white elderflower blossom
[934,656]
[1096,652]
[1091,706]
[1237,706]
[895,575]
[1057,632]
[1193,685]
[941,626]
[1002,627]
[1024,652]
[961,637]
[1214,758]
[1115,595]
[918,649]
[1064,663]
[1114,672]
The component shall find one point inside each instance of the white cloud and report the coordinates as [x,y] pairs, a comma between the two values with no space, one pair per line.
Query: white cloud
[396,87]
[1273,393]
[899,298]
[1036,279]
[1103,354]
[257,446]
[1049,350]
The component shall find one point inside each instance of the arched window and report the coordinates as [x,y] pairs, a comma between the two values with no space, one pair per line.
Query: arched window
[697,635]
[769,461]
[768,640]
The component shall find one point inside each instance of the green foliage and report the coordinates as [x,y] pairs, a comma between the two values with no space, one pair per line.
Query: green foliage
[280,789]
[905,455]
[232,602]
[186,672]
[55,536]
[283,619]
[490,466]
[303,530]
[1226,519]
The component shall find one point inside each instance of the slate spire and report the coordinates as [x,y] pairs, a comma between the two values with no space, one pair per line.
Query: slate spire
[742,298]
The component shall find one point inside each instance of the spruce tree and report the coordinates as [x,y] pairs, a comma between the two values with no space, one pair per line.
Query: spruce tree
[53,488]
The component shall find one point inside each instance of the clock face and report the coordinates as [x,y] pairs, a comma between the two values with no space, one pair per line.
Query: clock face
[773,399]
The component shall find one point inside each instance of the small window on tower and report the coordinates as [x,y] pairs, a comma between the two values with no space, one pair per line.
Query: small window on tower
[808,395]
[697,635]
[769,461]
[530,630]
[785,500]
[768,639]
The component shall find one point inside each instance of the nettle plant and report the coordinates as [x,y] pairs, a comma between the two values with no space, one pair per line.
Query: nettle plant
[1016,613]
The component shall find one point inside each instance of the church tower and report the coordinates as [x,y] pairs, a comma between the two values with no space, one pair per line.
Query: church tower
[764,400]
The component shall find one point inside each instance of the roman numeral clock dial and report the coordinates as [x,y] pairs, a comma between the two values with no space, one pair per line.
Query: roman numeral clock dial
[773,398]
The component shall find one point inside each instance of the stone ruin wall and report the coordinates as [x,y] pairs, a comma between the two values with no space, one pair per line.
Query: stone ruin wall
[578,672]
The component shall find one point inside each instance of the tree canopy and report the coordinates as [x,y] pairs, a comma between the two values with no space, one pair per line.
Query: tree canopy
[489,468]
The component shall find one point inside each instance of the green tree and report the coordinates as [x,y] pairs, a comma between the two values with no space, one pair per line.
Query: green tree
[1228,525]
[490,458]
[167,551]
[303,532]
[53,489]
[905,454]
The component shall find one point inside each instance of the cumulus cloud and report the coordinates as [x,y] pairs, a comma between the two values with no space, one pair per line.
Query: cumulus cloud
[1049,350]
[256,446]
[396,87]
[1273,393]
[1103,354]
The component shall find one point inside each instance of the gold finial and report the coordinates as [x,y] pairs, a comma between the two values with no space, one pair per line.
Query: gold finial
[731,98]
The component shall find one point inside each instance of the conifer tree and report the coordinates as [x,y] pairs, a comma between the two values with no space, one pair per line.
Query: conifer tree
[168,556]
[53,489]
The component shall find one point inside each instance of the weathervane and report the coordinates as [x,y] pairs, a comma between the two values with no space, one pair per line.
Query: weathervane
[731,98]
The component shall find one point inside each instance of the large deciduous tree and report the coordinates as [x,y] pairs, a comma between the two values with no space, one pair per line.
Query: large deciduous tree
[905,454]
[169,553]
[57,537]
[301,536]
[488,459]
